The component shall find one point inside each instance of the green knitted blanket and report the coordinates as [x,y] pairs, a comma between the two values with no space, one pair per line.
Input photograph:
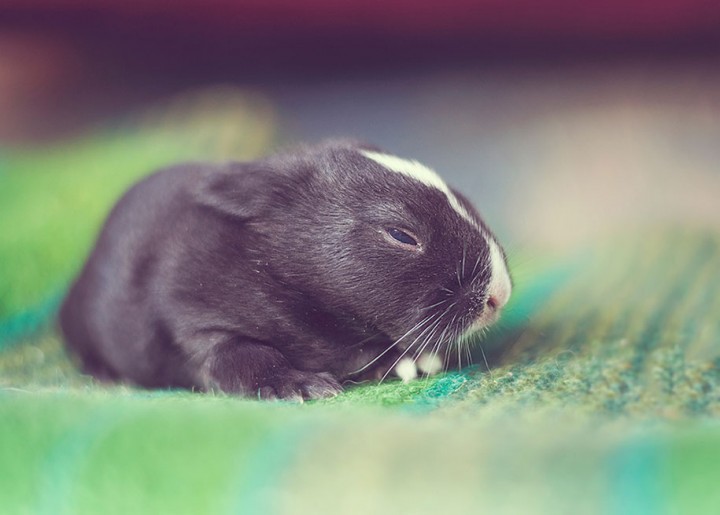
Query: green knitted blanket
[598,393]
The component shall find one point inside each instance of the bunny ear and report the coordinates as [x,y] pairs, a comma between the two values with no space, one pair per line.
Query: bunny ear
[241,190]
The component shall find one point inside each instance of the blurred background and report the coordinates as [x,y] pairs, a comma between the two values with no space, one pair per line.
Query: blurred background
[561,119]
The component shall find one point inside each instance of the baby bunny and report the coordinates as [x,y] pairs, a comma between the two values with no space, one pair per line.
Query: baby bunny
[284,277]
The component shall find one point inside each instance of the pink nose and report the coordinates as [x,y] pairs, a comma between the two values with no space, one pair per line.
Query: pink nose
[493,302]
[498,295]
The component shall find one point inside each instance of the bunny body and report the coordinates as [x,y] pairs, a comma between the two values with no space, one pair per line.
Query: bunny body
[285,276]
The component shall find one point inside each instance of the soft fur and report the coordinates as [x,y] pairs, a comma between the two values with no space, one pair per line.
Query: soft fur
[277,278]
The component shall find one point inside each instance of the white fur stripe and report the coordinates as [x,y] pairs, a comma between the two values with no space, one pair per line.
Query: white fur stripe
[420,173]
[500,286]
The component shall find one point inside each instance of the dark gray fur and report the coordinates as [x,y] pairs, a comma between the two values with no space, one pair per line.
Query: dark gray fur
[272,278]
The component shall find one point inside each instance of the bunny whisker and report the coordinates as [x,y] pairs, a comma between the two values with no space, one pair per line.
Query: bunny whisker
[428,339]
[390,347]
[402,355]
[437,347]
[425,343]
[487,365]
[477,261]
[444,313]
[435,305]
[468,353]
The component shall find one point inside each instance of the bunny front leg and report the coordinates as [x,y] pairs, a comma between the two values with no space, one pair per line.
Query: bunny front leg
[259,371]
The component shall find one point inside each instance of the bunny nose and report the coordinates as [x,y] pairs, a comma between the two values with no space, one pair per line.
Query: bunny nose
[498,292]
[498,295]
[500,286]
[493,302]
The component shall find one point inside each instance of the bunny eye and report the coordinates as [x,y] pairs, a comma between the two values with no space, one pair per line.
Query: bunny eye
[402,237]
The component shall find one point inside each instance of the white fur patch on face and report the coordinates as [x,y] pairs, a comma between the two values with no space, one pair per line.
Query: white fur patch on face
[500,286]
[406,370]
[429,364]
[420,173]
[499,291]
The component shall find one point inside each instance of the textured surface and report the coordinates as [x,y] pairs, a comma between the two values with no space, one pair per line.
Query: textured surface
[600,391]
